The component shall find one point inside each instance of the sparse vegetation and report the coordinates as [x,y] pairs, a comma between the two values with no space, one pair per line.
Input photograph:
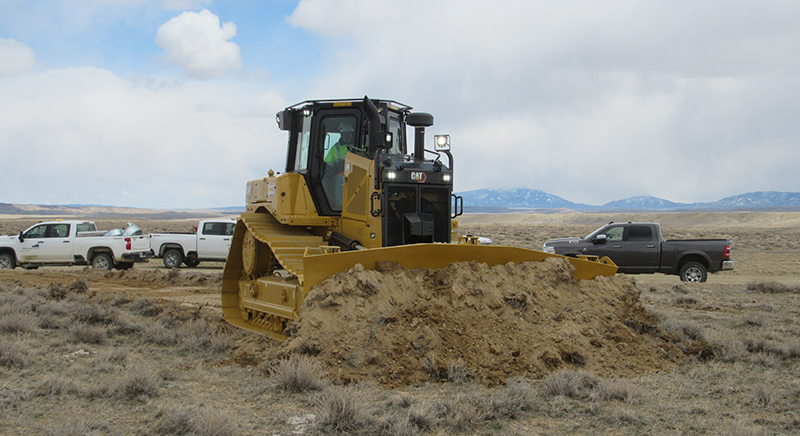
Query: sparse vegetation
[340,410]
[297,374]
[143,365]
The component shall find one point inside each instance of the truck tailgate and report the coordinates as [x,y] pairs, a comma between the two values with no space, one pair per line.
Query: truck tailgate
[138,243]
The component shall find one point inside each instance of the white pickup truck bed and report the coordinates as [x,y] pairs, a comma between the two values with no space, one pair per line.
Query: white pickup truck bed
[210,242]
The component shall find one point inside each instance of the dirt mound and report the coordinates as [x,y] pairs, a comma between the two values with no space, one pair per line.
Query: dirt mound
[398,326]
[173,277]
[132,278]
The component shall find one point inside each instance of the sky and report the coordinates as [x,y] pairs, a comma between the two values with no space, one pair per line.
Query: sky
[170,104]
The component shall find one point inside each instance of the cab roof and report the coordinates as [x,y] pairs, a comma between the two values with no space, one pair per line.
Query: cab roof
[356,102]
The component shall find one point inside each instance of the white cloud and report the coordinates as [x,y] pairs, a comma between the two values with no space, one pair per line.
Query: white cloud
[182,5]
[593,101]
[15,58]
[326,17]
[83,135]
[195,42]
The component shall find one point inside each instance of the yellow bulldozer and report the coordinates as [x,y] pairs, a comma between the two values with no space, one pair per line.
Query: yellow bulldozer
[352,193]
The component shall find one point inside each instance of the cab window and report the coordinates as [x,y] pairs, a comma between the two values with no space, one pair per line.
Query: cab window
[86,227]
[614,234]
[396,129]
[639,233]
[58,230]
[36,232]
[337,138]
[303,144]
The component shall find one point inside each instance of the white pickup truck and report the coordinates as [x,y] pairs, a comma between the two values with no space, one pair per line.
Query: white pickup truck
[210,241]
[58,243]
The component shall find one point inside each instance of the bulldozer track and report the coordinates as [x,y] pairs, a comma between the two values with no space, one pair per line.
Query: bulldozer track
[288,244]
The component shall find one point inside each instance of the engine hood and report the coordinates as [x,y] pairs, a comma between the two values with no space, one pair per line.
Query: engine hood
[564,241]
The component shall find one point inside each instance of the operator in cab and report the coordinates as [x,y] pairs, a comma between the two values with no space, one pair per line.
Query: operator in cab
[346,139]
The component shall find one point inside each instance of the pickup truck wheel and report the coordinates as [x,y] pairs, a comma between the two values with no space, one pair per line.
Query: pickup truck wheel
[694,272]
[102,262]
[173,259]
[191,263]
[7,261]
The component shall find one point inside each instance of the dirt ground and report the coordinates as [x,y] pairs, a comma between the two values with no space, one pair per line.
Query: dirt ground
[402,330]
[398,327]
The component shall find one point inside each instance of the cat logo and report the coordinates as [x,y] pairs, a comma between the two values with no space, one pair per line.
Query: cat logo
[418,176]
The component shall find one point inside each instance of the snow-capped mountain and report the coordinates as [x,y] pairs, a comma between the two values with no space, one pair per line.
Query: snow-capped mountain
[523,198]
[769,199]
[518,198]
[643,202]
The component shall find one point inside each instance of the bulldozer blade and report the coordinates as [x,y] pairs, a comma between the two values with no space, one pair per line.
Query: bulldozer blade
[319,267]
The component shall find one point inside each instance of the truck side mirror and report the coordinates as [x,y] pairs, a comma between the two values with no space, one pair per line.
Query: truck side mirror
[599,239]
[21,239]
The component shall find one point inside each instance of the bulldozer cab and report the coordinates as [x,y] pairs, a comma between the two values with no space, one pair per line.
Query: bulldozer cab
[411,195]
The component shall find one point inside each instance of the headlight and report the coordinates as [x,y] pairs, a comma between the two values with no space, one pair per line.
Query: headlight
[391,175]
[548,249]
[447,178]
[441,142]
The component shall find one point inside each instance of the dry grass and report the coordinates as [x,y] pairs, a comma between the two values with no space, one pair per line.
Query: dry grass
[78,362]
[297,374]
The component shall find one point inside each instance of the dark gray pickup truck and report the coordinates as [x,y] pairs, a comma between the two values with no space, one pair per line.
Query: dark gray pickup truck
[640,248]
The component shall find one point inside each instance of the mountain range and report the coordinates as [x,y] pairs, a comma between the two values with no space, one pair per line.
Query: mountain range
[524,198]
[479,200]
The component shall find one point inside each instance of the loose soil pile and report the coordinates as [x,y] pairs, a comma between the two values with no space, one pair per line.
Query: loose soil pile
[107,280]
[398,326]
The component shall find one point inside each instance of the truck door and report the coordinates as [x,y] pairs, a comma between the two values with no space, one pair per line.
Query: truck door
[642,249]
[612,247]
[227,237]
[59,244]
[32,248]
[214,240]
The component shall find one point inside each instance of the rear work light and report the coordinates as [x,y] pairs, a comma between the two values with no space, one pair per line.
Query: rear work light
[726,253]
[128,243]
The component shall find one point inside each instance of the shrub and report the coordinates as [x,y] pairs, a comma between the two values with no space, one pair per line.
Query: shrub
[17,322]
[10,394]
[429,363]
[396,424]
[55,385]
[729,350]
[686,331]
[57,292]
[93,313]
[79,286]
[80,427]
[199,336]
[136,383]
[772,288]
[338,410]
[176,421]
[510,402]
[618,390]
[568,383]
[13,354]
[457,371]
[159,335]
[145,307]
[297,374]
[762,395]
[209,422]
[88,334]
